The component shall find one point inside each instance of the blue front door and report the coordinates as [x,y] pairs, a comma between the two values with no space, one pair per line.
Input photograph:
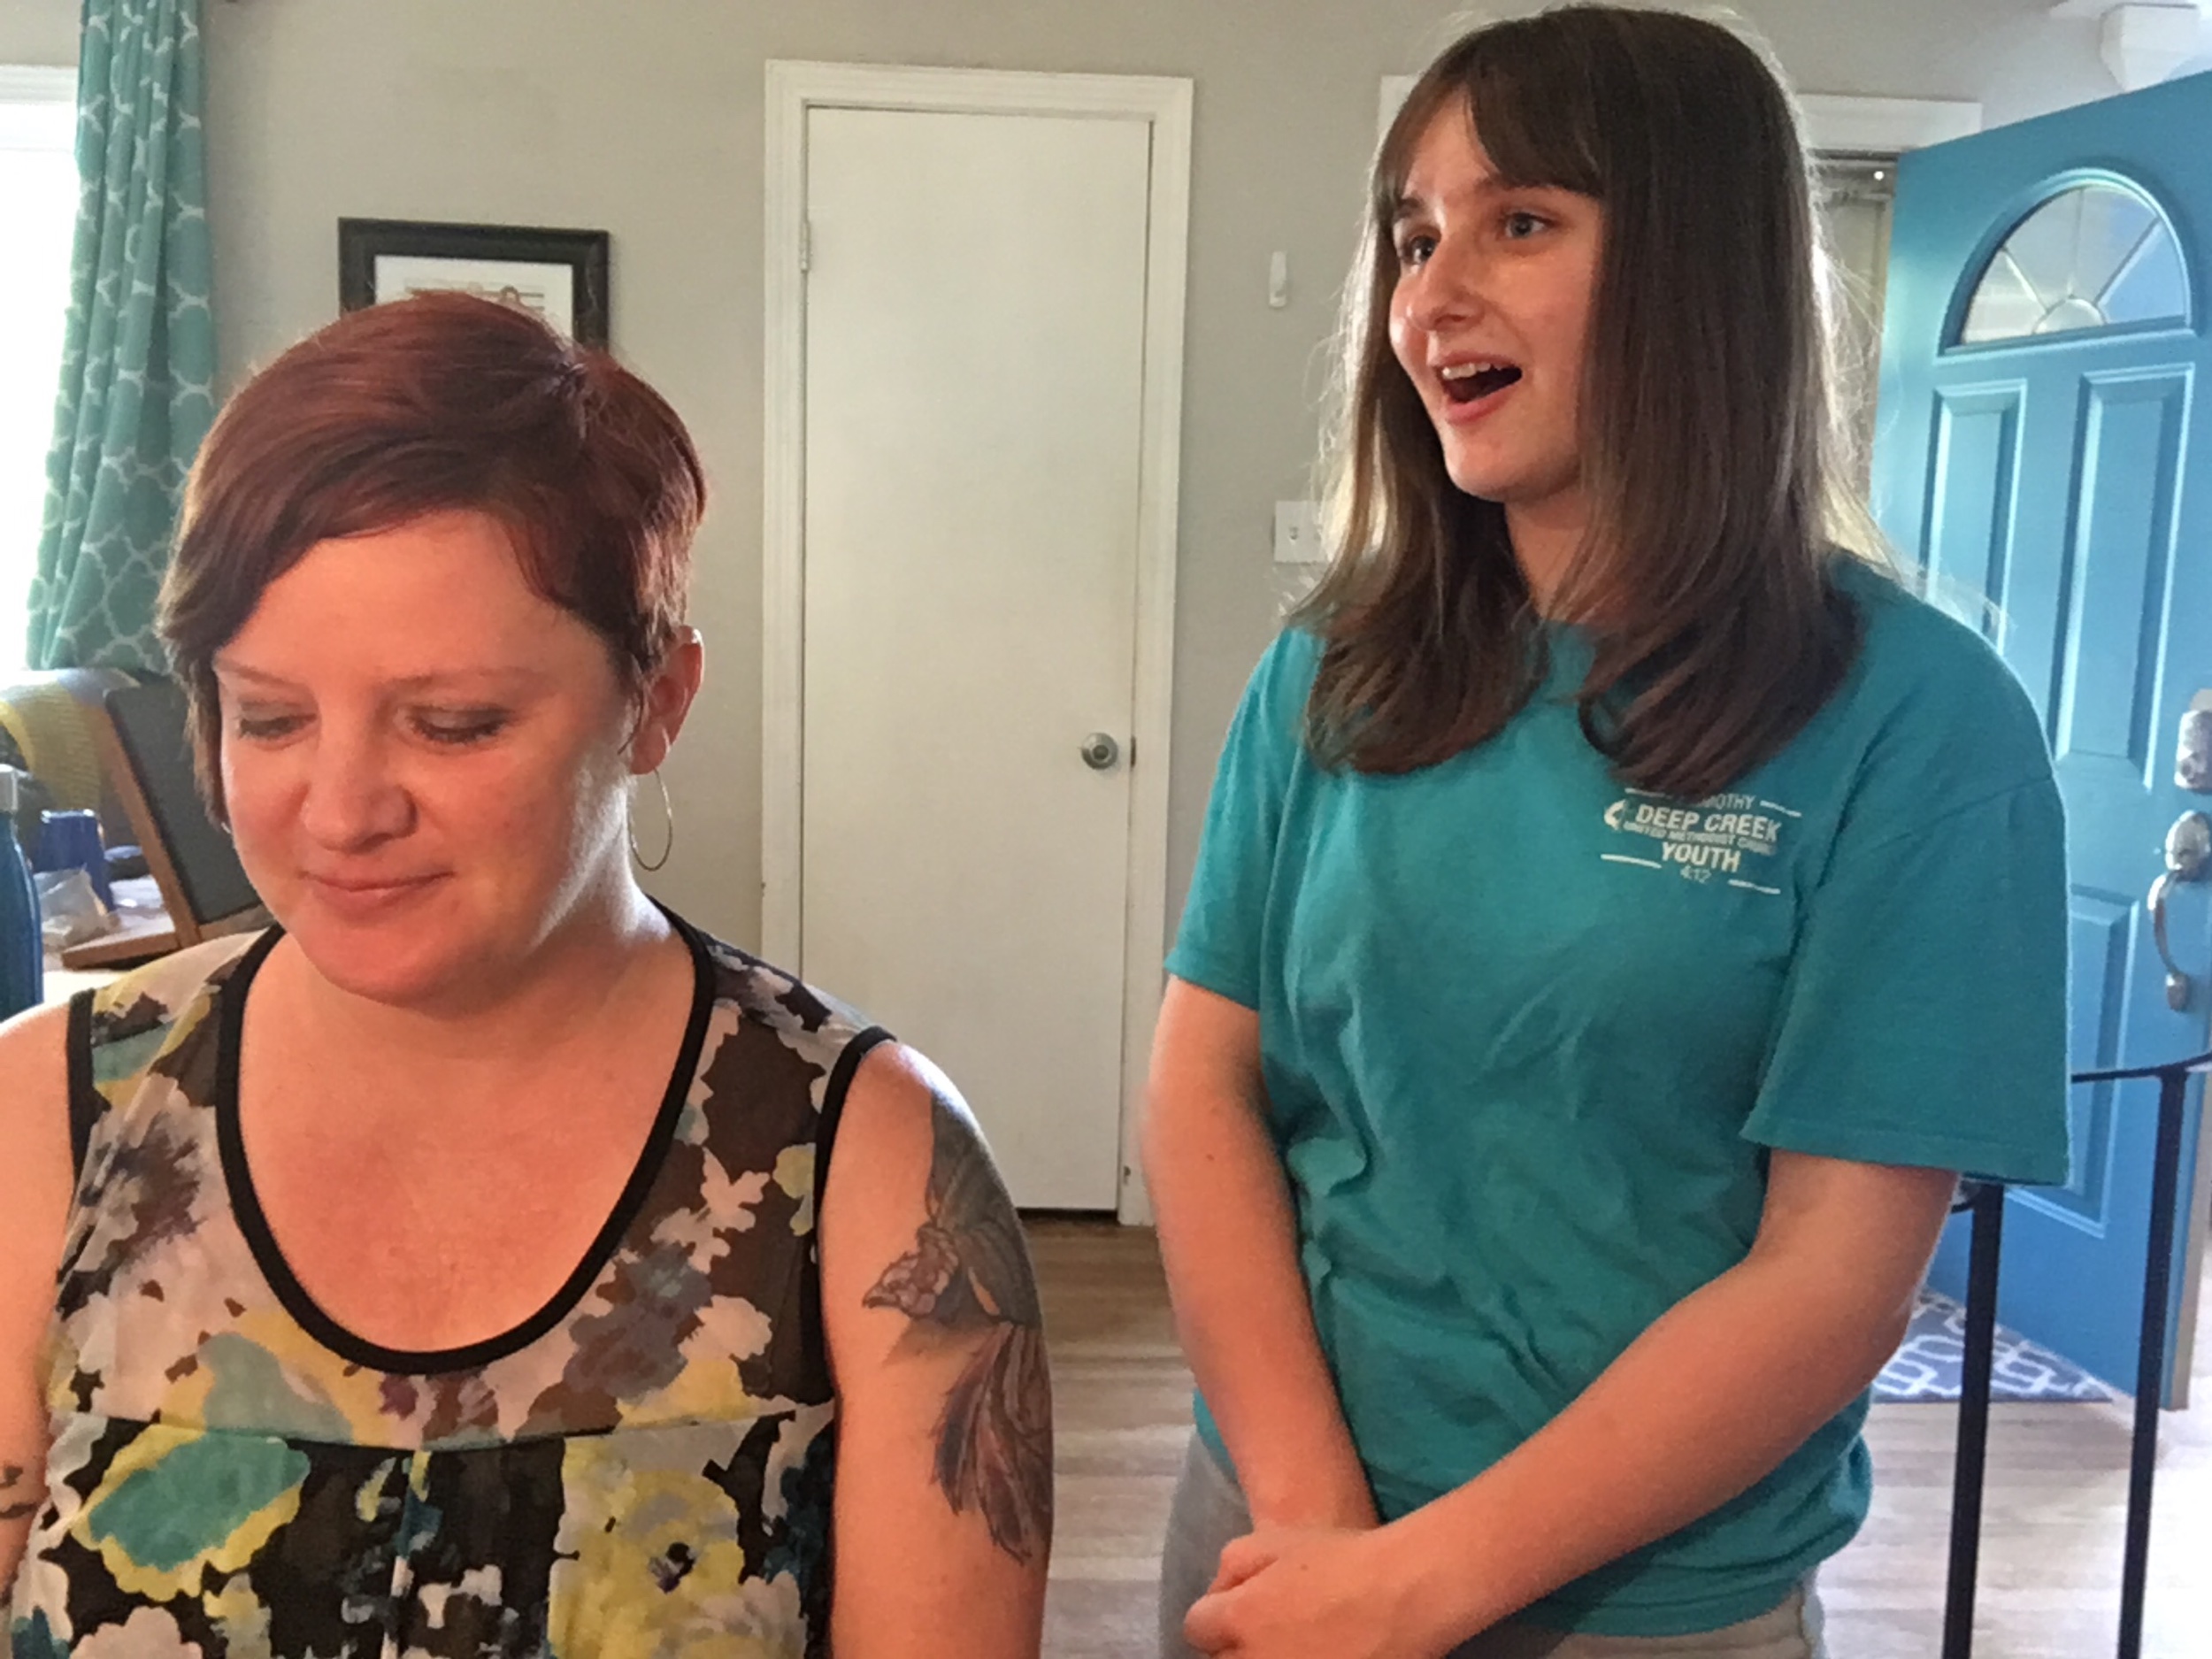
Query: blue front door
[2041,454]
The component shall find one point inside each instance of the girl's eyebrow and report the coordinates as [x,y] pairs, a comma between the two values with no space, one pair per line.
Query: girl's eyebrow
[1410,206]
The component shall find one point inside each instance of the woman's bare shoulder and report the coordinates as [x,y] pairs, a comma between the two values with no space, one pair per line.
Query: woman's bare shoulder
[34,1078]
[35,1176]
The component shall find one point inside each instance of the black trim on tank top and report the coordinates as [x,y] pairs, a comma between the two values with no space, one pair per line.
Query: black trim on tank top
[86,1102]
[253,1222]
[814,1329]
[834,1092]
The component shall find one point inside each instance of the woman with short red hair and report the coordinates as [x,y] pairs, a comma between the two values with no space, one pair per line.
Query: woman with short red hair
[458,1266]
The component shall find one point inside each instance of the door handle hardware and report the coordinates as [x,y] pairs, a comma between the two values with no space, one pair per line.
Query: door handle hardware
[2188,850]
[2192,751]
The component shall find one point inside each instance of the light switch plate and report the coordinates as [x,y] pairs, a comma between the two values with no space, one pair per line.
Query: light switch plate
[1298,534]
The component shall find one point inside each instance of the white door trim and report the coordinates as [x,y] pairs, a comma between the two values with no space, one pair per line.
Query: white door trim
[1165,104]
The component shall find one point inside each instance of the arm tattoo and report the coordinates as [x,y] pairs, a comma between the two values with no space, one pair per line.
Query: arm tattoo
[12,1508]
[968,1274]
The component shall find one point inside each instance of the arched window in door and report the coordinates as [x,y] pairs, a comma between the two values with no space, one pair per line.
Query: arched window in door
[2096,256]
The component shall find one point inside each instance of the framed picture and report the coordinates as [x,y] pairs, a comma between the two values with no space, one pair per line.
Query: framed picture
[560,274]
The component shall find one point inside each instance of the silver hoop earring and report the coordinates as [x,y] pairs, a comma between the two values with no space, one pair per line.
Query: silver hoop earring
[668,845]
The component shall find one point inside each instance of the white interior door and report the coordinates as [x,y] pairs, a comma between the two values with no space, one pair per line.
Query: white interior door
[974,386]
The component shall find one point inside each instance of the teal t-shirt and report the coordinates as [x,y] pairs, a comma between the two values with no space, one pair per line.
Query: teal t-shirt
[1527,1036]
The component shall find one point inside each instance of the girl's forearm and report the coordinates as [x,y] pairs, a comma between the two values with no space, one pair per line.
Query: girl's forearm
[1229,1241]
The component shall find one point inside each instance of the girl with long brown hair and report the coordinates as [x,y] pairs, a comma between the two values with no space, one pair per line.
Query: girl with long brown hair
[1622,913]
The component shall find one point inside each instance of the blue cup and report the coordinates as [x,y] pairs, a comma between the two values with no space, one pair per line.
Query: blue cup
[72,841]
[22,961]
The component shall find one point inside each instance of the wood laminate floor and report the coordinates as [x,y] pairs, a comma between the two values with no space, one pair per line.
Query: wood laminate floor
[2051,1543]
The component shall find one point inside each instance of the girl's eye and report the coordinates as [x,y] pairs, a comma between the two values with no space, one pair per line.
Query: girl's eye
[1416,248]
[460,730]
[1521,224]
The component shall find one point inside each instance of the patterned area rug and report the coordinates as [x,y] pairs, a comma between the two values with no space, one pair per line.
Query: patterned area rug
[1928,1366]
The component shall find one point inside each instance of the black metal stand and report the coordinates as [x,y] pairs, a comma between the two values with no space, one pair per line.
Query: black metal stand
[1986,1202]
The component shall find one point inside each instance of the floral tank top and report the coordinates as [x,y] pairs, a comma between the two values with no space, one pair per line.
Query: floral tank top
[643,1468]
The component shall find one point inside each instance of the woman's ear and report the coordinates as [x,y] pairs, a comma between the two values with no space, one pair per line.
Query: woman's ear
[666,701]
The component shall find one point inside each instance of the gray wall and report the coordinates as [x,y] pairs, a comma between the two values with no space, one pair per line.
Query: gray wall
[645,119]
[38,31]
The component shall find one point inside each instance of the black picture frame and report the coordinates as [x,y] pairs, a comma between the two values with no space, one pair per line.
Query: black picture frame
[363,241]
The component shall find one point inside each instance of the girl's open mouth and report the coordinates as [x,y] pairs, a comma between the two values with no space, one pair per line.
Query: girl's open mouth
[1472,382]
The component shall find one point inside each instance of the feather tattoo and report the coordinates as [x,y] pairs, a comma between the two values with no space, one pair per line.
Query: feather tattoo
[968,1275]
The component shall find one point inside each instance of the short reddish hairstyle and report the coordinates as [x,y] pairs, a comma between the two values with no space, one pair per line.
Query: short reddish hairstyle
[437,404]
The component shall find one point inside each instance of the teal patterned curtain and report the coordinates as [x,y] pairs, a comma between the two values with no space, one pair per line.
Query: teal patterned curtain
[138,368]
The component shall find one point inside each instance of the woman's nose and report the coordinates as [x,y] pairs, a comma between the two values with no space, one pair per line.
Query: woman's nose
[352,798]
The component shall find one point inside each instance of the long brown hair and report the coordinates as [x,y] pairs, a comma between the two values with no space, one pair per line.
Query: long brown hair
[1706,581]
[426,404]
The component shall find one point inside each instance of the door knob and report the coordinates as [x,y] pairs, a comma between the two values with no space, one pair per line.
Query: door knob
[1100,752]
[2188,851]
[2193,746]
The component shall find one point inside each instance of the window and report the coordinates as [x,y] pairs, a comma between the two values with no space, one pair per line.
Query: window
[38,184]
[2097,256]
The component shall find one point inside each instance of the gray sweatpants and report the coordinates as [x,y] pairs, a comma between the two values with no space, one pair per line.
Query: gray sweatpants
[1209,1511]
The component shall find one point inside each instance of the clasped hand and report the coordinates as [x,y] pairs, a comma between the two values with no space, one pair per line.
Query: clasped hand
[1311,1592]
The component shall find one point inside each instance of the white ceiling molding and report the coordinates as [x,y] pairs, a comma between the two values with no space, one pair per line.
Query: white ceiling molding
[1840,126]
[2144,44]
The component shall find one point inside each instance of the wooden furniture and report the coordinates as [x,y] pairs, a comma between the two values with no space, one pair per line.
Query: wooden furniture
[146,752]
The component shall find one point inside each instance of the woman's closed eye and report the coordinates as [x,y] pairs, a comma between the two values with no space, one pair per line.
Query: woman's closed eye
[259,728]
[460,727]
